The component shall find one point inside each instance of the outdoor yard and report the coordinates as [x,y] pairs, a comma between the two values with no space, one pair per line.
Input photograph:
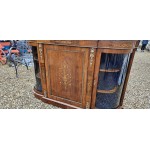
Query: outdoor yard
[17,92]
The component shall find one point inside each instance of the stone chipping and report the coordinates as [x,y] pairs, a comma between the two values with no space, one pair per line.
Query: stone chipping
[138,89]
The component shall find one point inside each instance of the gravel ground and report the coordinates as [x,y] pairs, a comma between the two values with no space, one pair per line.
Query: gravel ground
[138,89]
[17,92]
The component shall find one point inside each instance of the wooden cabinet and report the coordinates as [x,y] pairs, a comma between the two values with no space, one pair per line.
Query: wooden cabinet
[83,74]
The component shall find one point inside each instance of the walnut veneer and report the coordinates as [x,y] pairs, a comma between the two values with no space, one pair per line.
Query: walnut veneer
[68,72]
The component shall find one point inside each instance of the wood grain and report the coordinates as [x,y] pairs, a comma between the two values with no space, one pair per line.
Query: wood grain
[69,69]
[66,72]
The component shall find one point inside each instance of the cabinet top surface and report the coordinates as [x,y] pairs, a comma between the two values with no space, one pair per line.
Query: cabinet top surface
[120,44]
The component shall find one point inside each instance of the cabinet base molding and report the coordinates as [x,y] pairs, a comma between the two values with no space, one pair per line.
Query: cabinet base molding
[56,103]
[39,96]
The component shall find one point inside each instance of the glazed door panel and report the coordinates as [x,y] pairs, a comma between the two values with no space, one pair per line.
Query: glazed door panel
[66,69]
[110,73]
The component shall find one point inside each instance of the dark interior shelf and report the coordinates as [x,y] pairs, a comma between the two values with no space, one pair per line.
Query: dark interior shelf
[108,91]
[110,70]
[36,59]
[38,75]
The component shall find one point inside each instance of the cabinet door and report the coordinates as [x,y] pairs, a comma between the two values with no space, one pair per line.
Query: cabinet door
[67,74]
[110,73]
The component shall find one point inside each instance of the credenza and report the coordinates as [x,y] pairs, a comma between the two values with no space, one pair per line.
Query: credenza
[88,74]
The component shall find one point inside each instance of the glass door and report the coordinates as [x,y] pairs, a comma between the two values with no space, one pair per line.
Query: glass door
[38,85]
[110,76]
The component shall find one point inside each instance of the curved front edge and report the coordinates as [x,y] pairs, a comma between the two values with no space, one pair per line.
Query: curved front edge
[41,97]
[111,74]
[113,68]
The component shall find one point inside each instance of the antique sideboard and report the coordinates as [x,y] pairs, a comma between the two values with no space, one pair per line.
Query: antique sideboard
[81,73]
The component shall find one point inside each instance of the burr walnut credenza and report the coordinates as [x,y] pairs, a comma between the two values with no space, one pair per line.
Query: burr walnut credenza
[82,73]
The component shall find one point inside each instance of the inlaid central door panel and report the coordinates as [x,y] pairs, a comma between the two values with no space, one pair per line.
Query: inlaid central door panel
[67,73]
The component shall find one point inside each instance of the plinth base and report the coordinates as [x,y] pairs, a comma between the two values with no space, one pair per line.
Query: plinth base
[53,102]
[41,97]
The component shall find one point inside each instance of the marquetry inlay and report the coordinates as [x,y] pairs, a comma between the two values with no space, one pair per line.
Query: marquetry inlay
[87,105]
[43,74]
[45,94]
[40,51]
[92,55]
[74,42]
[65,75]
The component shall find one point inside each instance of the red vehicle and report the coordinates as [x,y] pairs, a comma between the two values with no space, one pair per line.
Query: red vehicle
[5,47]
[15,56]
[2,55]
